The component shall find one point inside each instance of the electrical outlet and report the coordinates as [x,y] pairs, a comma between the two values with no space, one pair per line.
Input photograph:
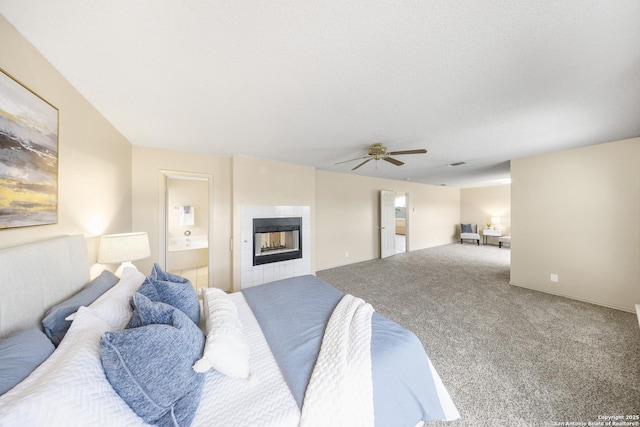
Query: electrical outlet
[346,254]
[554,278]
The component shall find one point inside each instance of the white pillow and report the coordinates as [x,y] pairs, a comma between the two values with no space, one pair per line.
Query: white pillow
[69,388]
[114,305]
[225,348]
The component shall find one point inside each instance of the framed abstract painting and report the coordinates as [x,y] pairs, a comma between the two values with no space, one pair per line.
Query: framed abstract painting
[28,157]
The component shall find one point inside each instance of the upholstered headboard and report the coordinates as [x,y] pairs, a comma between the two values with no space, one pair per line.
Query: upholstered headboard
[35,276]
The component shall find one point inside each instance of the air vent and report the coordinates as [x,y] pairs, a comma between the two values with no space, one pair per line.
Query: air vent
[457,164]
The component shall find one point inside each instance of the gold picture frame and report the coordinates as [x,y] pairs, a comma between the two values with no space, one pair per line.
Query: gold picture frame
[28,156]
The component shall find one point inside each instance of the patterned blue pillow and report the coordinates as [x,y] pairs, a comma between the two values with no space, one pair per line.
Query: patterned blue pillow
[159,274]
[150,364]
[147,312]
[466,228]
[179,295]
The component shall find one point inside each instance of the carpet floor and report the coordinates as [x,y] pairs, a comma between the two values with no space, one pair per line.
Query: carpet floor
[508,356]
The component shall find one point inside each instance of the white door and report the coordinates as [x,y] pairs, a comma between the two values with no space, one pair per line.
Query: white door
[387,223]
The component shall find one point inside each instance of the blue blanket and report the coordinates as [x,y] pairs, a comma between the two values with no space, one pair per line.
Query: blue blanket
[293,314]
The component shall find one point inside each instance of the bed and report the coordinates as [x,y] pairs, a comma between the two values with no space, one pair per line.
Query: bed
[271,354]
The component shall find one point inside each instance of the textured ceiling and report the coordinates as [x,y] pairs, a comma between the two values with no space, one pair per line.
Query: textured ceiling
[317,82]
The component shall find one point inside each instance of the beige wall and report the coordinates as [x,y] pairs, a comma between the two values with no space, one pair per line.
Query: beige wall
[576,213]
[94,169]
[478,205]
[259,182]
[148,206]
[344,208]
[348,216]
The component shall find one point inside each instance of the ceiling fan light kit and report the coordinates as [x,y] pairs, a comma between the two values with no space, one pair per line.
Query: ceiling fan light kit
[378,151]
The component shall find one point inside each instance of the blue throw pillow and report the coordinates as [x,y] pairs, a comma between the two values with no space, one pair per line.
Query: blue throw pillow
[179,295]
[54,323]
[159,274]
[147,312]
[466,228]
[150,366]
[20,354]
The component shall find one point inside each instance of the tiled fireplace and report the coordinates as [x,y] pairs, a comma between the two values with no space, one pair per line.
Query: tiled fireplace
[275,243]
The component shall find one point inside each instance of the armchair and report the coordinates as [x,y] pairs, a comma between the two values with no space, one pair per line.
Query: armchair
[469,232]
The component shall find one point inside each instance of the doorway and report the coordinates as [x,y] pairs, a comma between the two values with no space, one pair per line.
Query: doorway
[394,224]
[186,232]
[401,228]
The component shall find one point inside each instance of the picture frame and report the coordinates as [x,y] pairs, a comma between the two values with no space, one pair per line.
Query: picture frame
[28,156]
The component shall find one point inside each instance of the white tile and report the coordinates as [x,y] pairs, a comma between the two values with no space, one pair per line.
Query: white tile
[268,276]
[245,281]
[288,270]
[258,275]
[246,285]
[268,267]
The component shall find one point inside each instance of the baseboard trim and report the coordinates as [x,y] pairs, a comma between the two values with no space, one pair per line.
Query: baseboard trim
[578,299]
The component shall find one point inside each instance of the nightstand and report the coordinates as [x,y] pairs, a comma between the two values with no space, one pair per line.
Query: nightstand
[488,232]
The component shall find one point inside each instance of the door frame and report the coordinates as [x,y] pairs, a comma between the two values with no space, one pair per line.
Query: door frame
[163,209]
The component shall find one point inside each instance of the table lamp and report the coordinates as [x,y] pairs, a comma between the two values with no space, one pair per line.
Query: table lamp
[495,222]
[123,248]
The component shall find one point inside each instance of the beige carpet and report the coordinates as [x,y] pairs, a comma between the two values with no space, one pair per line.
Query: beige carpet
[508,356]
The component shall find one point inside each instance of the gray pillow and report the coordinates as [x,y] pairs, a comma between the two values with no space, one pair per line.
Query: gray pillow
[54,323]
[20,354]
[150,365]
[180,295]
[466,228]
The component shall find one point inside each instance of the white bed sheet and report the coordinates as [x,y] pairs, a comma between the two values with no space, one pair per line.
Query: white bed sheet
[263,400]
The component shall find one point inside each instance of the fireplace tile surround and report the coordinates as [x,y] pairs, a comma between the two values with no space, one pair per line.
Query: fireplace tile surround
[251,275]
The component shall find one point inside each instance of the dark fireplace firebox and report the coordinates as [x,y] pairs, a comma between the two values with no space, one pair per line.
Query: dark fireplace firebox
[276,239]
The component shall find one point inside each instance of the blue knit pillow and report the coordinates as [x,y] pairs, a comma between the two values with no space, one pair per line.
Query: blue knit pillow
[179,295]
[466,228]
[150,364]
[159,274]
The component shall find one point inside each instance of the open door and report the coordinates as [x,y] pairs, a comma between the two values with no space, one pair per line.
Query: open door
[387,223]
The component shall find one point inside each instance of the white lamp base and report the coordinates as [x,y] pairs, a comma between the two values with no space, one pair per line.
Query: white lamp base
[126,264]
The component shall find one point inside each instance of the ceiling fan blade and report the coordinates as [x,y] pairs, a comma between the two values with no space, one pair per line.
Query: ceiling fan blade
[420,151]
[350,160]
[361,164]
[394,161]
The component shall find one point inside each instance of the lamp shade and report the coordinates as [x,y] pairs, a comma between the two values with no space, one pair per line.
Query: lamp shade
[115,248]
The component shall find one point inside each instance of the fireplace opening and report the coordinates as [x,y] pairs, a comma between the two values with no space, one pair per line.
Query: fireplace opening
[276,239]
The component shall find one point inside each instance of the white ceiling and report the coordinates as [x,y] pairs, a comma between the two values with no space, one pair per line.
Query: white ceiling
[317,82]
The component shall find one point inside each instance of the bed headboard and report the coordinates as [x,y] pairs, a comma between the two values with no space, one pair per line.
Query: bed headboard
[36,276]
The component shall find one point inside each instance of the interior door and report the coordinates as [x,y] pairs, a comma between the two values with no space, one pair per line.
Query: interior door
[387,223]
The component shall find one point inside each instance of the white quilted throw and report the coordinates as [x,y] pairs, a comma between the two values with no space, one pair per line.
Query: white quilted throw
[340,391]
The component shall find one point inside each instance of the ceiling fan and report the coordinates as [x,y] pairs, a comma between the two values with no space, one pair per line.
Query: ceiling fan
[378,151]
